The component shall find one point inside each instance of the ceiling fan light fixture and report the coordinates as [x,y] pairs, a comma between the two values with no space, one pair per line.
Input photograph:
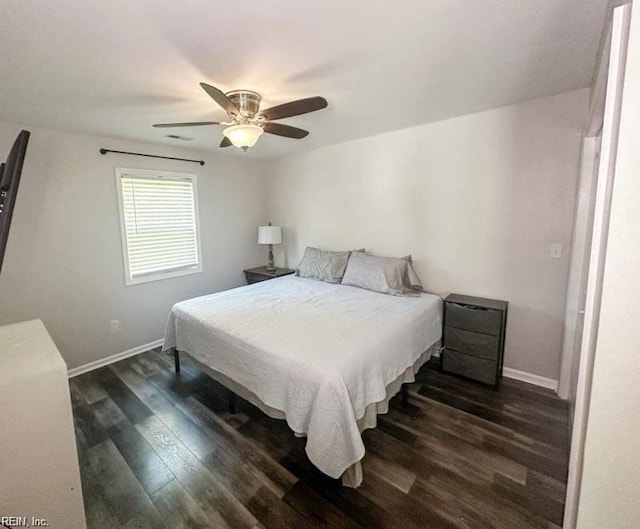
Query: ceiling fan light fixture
[243,136]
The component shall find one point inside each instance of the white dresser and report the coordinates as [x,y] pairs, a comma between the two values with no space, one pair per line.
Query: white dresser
[38,459]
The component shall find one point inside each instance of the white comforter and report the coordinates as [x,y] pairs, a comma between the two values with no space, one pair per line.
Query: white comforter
[318,352]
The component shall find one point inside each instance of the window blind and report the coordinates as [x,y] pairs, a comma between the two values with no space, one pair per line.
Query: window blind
[159,224]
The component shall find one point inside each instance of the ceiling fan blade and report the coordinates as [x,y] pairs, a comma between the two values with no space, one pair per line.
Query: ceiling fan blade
[285,130]
[192,124]
[294,108]
[219,97]
[226,142]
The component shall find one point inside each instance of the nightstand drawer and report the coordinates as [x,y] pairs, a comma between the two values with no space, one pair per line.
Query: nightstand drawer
[471,318]
[472,343]
[469,366]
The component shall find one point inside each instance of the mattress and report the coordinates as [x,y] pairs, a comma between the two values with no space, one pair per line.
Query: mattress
[319,353]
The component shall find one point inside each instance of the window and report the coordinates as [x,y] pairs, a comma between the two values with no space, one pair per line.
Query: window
[159,221]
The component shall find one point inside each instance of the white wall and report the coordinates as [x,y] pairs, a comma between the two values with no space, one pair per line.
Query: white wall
[610,490]
[64,264]
[476,199]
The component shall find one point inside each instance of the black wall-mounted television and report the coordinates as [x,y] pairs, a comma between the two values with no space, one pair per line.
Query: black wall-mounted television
[10,172]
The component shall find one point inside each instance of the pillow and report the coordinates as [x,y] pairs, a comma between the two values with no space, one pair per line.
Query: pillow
[413,281]
[323,265]
[388,275]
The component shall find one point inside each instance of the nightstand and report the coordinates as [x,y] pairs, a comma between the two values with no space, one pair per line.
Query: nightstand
[473,337]
[255,275]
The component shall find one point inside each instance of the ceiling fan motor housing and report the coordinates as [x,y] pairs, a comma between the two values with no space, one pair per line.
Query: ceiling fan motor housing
[247,101]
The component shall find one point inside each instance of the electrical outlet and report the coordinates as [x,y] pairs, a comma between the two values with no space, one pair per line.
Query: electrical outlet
[114,325]
[555,251]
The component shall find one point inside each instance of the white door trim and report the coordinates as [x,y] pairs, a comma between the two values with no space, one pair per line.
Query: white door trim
[619,38]
[580,244]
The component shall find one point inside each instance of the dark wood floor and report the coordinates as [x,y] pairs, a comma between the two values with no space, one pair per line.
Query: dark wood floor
[159,450]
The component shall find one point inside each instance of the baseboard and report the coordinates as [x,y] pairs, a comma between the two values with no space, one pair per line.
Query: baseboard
[537,380]
[113,358]
[508,372]
[523,376]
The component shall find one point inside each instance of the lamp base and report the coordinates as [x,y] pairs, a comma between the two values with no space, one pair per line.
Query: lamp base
[270,266]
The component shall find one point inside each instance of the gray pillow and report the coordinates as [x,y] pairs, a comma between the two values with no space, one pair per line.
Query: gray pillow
[323,265]
[389,275]
[413,281]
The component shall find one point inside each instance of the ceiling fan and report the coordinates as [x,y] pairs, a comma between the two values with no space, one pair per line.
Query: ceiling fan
[247,122]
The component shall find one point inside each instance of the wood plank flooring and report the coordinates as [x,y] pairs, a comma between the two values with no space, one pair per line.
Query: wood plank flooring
[159,450]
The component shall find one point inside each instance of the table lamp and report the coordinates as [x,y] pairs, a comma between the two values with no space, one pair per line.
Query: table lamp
[270,235]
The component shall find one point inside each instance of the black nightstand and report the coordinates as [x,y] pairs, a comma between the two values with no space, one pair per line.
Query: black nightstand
[473,337]
[255,275]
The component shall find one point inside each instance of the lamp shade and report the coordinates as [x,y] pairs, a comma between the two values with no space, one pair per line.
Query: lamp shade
[269,235]
[243,136]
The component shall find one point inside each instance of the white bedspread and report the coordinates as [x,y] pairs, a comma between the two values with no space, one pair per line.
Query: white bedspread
[318,352]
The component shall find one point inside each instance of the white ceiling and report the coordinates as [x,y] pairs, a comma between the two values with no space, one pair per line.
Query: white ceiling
[114,67]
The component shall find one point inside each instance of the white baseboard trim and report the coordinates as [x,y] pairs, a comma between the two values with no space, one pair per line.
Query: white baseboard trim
[523,376]
[537,380]
[113,358]
[508,372]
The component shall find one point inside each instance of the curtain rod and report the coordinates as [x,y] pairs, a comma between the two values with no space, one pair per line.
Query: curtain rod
[105,151]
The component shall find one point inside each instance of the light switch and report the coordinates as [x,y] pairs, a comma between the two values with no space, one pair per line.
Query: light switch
[555,251]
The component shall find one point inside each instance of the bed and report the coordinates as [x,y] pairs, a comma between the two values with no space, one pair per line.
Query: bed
[327,358]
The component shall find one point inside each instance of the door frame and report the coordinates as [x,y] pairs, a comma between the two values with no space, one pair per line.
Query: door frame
[620,21]
[578,266]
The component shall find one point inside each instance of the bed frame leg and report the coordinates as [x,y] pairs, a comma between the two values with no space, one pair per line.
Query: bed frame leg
[405,396]
[176,359]
[232,402]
